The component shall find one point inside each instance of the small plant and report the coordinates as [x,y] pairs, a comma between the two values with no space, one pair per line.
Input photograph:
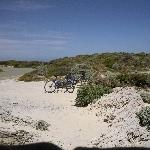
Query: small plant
[146,97]
[144,116]
[1,70]
[41,125]
[86,94]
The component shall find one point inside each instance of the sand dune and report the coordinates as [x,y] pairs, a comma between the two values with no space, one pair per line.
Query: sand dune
[23,104]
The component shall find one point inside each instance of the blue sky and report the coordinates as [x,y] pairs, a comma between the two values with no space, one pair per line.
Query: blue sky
[47,29]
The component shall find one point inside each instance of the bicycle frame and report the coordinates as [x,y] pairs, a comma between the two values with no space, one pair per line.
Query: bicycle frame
[57,84]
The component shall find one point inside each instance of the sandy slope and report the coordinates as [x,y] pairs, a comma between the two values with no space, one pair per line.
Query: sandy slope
[23,104]
[11,72]
[69,126]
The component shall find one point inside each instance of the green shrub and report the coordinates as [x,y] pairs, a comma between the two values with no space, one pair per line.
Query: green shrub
[31,76]
[116,66]
[86,94]
[124,78]
[114,82]
[57,70]
[144,116]
[41,125]
[139,80]
[120,62]
[1,70]
[109,79]
[146,97]
[21,64]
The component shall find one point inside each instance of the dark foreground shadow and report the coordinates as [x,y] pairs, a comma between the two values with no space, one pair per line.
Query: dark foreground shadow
[115,148]
[34,146]
[50,146]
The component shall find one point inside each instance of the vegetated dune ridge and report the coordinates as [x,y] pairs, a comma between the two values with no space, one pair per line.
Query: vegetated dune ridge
[110,122]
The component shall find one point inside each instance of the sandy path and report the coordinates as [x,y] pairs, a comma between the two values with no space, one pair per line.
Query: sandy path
[69,126]
[10,72]
[110,122]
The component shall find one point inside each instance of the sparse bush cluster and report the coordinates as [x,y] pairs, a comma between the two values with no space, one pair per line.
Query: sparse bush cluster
[83,68]
[146,97]
[144,116]
[31,76]
[41,125]
[57,70]
[107,80]
[114,62]
[21,64]
[139,80]
[1,70]
[18,137]
[124,79]
[86,94]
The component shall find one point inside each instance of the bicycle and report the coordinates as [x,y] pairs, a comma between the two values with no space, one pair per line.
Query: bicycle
[51,86]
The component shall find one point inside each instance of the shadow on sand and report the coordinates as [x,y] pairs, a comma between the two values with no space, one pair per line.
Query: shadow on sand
[50,146]
[115,148]
[34,146]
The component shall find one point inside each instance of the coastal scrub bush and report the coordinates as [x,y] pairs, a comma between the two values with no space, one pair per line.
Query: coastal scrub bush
[86,94]
[114,62]
[57,70]
[79,69]
[135,79]
[31,76]
[104,61]
[144,116]
[116,66]
[21,64]
[108,79]
[113,80]
[146,97]
[124,79]
[18,137]
[1,70]
[41,125]
[140,80]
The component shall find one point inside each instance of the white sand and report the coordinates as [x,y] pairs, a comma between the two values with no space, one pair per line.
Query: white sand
[70,126]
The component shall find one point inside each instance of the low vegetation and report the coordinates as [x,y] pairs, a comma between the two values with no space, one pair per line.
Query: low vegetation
[144,116]
[114,62]
[18,137]
[100,63]
[21,64]
[146,97]
[31,76]
[125,79]
[101,85]
[1,70]
[135,79]
[86,94]
[41,125]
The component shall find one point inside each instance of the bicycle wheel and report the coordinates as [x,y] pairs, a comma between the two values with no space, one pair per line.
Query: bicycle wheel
[49,87]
